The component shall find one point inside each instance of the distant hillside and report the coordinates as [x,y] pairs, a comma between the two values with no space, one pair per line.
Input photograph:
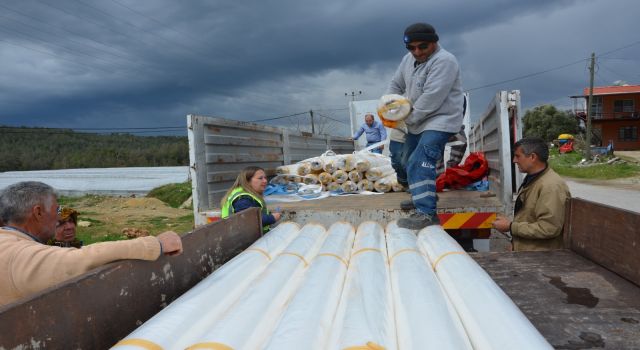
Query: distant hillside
[44,149]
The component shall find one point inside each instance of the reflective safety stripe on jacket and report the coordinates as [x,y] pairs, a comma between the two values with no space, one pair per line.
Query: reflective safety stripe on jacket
[227,208]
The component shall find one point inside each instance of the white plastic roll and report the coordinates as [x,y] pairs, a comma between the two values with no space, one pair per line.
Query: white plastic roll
[265,300]
[368,160]
[287,169]
[349,187]
[341,176]
[394,107]
[194,312]
[346,162]
[378,173]
[365,185]
[365,315]
[355,176]
[330,164]
[304,168]
[306,323]
[425,319]
[489,316]
[325,178]
[384,184]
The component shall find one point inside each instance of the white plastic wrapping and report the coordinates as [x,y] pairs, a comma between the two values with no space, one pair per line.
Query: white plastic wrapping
[355,176]
[195,311]
[425,319]
[265,300]
[307,321]
[340,176]
[490,318]
[365,185]
[384,184]
[394,107]
[378,173]
[368,160]
[346,162]
[365,315]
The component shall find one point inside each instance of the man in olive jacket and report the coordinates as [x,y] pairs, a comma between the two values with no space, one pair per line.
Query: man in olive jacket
[539,209]
[30,214]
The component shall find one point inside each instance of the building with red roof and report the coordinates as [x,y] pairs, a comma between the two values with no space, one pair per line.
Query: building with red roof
[615,115]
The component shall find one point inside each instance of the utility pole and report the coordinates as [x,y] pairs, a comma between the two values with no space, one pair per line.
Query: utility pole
[313,128]
[587,152]
[353,95]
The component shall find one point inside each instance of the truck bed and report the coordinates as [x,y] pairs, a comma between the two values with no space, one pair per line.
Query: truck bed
[573,302]
[357,208]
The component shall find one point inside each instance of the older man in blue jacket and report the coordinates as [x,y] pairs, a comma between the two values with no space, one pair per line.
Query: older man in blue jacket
[375,132]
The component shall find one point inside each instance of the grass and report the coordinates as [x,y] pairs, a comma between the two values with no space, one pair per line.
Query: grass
[172,194]
[566,165]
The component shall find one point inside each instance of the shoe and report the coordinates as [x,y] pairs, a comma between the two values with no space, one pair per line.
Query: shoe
[407,205]
[418,221]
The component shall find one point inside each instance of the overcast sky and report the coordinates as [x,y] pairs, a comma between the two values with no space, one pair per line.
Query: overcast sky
[127,64]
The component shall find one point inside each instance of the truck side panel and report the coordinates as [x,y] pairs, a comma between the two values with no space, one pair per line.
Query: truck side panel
[219,148]
[95,310]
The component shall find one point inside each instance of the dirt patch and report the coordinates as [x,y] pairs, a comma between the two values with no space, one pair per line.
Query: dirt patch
[109,216]
[627,183]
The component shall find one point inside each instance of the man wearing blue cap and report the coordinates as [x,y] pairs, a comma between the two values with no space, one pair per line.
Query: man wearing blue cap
[429,76]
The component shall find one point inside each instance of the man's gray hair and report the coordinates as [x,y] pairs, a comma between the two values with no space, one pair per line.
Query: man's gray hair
[17,200]
[534,145]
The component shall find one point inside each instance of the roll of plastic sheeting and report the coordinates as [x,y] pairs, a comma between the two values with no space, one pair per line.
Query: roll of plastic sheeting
[366,161]
[341,176]
[365,185]
[365,314]
[425,319]
[304,168]
[394,107]
[325,178]
[346,162]
[384,184]
[355,176]
[306,323]
[490,318]
[287,169]
[195,311]
[378,173]
[265,300]
[349,187]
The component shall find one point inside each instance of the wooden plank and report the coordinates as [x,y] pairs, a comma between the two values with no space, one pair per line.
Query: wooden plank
[244,157]
[97,309]
[606,235]
[574,303]
[241,141]
[197,164]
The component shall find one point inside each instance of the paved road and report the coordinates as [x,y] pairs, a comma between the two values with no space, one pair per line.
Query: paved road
[616,197]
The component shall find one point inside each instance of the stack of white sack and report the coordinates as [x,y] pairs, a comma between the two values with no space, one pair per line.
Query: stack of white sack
[306,324]
[267,297]
[365,316]
[363,170]
[183,320]
[479,302]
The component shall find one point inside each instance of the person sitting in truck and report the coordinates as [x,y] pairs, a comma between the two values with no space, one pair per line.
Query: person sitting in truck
[30,213]
[247,192]
[538,215]
[66,229]
[374,131]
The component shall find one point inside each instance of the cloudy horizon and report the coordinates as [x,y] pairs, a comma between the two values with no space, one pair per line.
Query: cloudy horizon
[120,63]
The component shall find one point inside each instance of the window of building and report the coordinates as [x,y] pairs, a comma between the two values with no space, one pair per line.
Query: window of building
[628,133]
[596,107]
[623,106]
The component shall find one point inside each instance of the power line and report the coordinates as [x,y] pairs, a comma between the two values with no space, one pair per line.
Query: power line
[330,118]
[551,69]
[281,117]
[40,21]
[527,75]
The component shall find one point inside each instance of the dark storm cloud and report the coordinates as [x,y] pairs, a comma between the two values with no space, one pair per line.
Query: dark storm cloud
[122,63]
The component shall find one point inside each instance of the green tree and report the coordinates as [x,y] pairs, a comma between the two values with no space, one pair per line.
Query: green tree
[547,122]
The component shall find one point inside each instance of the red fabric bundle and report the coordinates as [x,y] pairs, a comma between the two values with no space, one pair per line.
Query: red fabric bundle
[475,167]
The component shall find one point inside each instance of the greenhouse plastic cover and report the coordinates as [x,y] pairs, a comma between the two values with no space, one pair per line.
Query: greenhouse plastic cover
[311,288]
